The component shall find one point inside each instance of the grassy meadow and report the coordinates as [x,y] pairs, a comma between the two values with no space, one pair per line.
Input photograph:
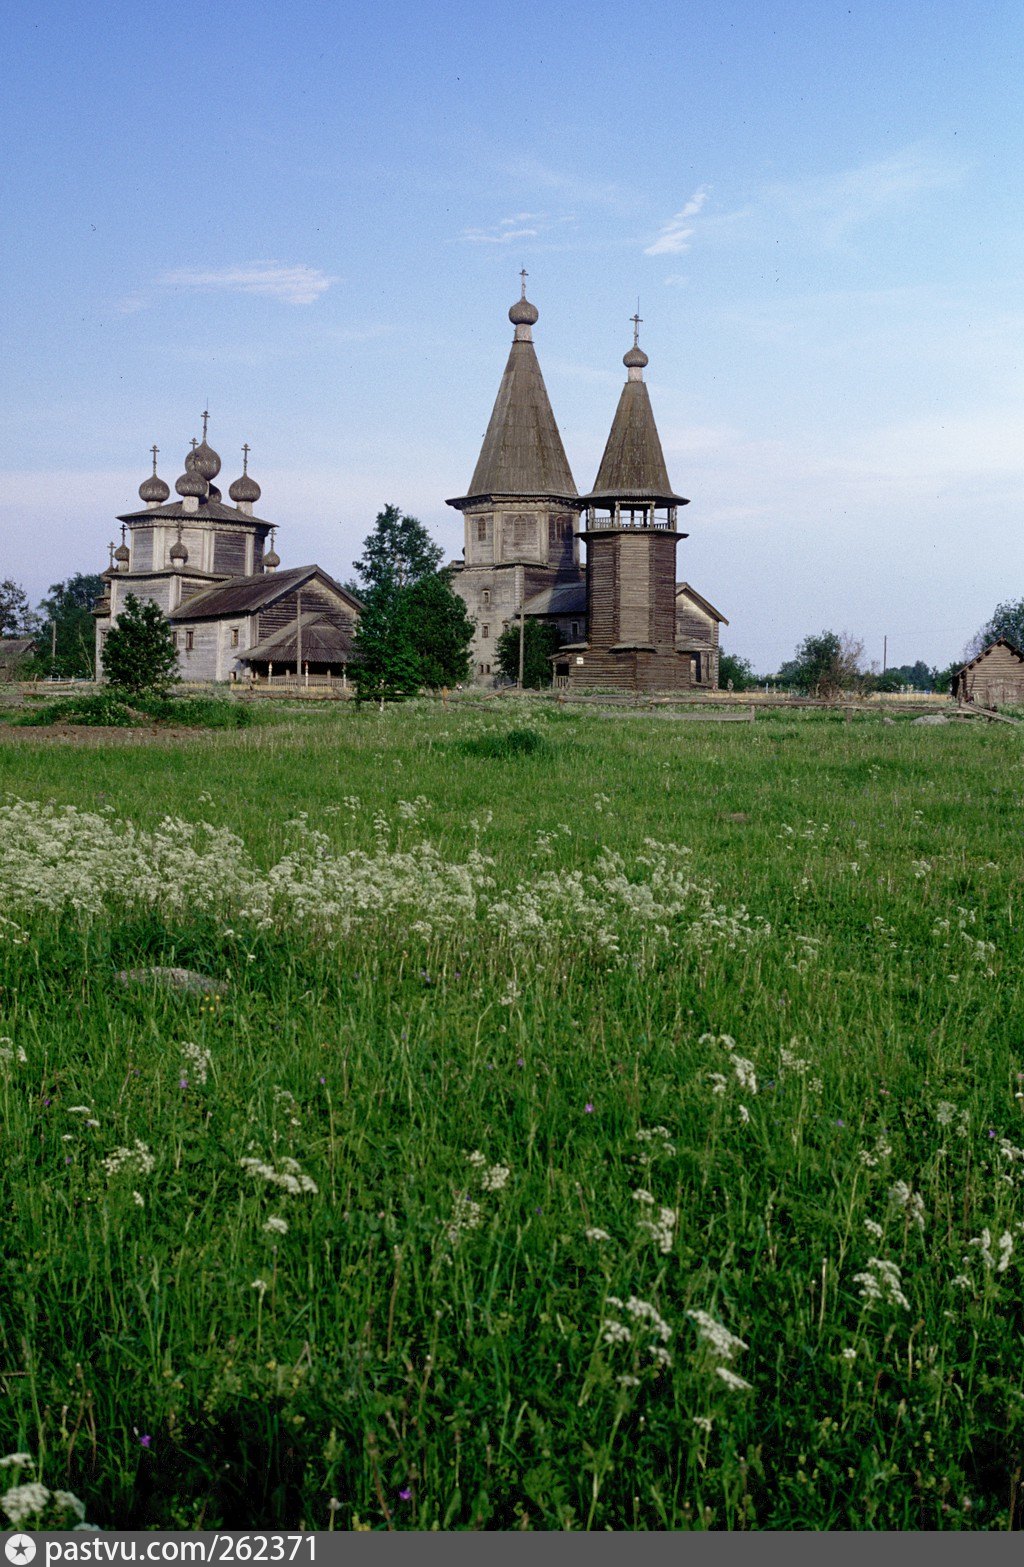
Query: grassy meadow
[616,1128]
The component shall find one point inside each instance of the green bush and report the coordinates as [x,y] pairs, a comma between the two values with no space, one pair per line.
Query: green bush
[104,710]
[514,742]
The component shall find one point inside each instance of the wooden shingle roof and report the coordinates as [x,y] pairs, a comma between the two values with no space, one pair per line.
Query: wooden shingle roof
[522,453]
[633,465]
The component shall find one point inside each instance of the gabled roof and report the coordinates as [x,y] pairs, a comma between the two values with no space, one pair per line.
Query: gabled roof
[522,452]
[14,648]
[633,465]
[979,657]
[244,595]
[207,511]
[322,643]
[684,590]
[564,598]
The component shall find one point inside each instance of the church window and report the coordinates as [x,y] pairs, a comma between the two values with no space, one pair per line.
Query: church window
[485,632]
[481,529]
[174,639]
[485,597]
[189,640]
[574,629]
[234,636]
[487,669]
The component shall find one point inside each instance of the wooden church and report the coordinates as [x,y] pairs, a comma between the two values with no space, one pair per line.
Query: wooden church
[625,621]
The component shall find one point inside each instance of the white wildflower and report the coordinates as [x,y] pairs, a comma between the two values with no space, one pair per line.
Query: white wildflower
[137,1160]
[715,1334]
[24,1501]
[744,1115]
[276,1226]
[944,1112]
[495,1178]
[1005,1251]
[848,1354]
[466,1215]
[644,1196]
[597,1235]
[288,1176]
[68,1502]
[615,1332]
[138,1199]
[881,1281]
[744,1070]
[662,1229]
[874,1230]
[628,1381]
[261,1285]
[903,1196]
[198,1060]
[703,1423]
[731,1380]
[18,1461]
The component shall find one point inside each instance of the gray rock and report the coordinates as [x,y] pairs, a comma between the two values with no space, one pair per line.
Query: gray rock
[931,718]
[889,721]
[174,978]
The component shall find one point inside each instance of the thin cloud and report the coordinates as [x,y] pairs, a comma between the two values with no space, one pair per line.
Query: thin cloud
[674,236]
[295,285]
[501,234]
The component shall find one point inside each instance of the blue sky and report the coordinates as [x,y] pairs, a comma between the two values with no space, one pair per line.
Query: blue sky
[311,219]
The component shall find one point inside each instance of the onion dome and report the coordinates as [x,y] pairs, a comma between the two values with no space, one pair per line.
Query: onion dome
[178,551]
[635,358]
[206,461]
[212,493]
[523,313]
[122,554]
[271,560]
[245,488]
[192,483]
[153,490]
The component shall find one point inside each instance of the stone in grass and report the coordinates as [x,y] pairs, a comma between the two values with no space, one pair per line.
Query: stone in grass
[931,718]
[174,978]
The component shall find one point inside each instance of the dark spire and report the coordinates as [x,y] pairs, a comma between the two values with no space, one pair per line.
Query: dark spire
[633,465]
[522,453]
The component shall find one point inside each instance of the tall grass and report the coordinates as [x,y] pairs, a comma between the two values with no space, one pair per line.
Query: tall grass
[455,1214]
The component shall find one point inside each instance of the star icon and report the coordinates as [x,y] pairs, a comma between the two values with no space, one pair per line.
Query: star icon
[20,1548]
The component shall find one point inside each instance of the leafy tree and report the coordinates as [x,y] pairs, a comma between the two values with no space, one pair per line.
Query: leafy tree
[739,670]
[1007,621]
[824,665]
[540,641]
[16,617]
[440,629]
[397,553]
[387,663]
[69,610]
[139,652]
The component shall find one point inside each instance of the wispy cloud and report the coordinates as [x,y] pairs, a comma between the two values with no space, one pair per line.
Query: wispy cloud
[836,203]
[502,233]
[674,236]
[294,285]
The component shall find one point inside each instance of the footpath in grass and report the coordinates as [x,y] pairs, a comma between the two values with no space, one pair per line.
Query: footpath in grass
[617,1128]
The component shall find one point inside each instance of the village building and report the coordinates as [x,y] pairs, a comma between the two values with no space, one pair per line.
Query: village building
[208,566]
[15,653]
[624,620]
[521,507]
[994,678]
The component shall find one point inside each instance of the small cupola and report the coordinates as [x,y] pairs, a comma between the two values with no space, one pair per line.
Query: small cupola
[245,491]
[153,490]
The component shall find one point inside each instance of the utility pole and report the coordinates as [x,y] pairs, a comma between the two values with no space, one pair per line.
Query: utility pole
[522,624]
[298,634]
[53,647]
[885,654]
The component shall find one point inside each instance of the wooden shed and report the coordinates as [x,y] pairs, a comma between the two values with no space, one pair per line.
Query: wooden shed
[995,678]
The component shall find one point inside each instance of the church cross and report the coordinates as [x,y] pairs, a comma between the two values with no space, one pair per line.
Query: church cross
[206,415]
[194,443]
[524,275]
[637,321]
[154,449]
[110,547]
[245,456]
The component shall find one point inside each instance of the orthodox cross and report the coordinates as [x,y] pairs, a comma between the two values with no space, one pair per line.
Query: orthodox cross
[245,457]
[110,547]
[637,321]
[206,415]
[524,275]
[154,449]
